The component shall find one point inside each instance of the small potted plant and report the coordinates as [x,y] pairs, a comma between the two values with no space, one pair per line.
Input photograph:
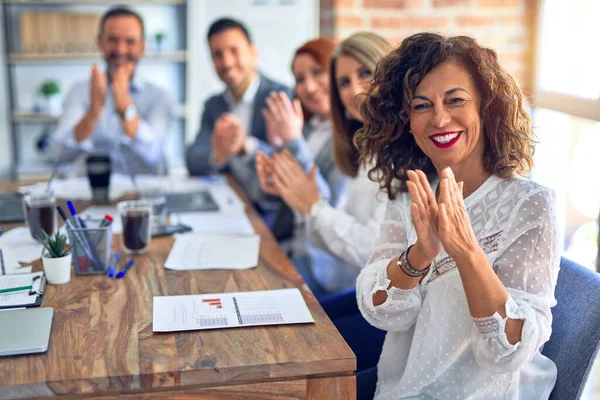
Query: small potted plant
[56,258]
[159,37]
[50,90]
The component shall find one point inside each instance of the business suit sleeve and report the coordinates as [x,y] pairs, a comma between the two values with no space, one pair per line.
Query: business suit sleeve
[198,157]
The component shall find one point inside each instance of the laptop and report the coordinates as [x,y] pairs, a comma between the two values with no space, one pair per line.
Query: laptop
[11,207]
[197,201]
[25,331]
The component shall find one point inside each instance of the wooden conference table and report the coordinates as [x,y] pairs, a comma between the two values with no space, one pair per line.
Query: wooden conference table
[102,344]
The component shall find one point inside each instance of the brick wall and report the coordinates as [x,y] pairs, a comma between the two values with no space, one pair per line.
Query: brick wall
[504,25]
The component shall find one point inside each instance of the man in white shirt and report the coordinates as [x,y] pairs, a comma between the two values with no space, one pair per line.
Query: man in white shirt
[232,128]
[117,112]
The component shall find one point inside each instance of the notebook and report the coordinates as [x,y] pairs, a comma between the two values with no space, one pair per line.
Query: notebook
[11,207]
[24,298]
[25,331]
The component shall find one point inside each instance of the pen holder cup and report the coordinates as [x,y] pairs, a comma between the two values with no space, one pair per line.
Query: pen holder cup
[91,247]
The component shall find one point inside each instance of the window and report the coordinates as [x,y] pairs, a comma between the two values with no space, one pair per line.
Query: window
[566,120]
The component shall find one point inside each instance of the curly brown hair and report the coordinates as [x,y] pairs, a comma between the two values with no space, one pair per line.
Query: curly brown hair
[385,142]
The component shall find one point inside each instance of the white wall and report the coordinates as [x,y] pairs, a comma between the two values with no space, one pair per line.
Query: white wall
[5,142]
[278,28]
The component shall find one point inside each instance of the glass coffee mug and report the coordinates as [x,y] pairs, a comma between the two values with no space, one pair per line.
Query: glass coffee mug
[40,214]
[136,216]
[98,168]
[158,200]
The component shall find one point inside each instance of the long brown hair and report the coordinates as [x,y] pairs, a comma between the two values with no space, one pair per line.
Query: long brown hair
[385,140]
[367,48]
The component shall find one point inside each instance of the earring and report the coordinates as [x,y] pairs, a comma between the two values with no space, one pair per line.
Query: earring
[409,131]
[347,114]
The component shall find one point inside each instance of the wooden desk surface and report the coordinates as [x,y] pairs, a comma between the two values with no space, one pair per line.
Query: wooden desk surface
[102,342]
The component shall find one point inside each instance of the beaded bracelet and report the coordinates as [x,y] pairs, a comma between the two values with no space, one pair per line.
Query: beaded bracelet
[405,266]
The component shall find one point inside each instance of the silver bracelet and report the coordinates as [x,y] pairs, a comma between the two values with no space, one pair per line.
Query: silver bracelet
[405,266]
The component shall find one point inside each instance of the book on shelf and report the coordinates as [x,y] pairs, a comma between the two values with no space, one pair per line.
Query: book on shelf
[28,31]
[71,32]
[54,31]
[62,32]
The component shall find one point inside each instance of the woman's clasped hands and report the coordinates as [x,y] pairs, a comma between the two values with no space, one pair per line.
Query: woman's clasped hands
[281,175]
[443,222]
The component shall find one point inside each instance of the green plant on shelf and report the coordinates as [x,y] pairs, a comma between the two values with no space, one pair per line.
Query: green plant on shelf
[49,88]
[56,246]
[159,37]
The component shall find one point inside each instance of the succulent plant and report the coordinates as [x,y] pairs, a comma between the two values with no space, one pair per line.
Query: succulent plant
[56,245]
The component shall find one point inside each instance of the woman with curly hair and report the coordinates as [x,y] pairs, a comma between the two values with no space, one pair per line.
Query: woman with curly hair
[463,276]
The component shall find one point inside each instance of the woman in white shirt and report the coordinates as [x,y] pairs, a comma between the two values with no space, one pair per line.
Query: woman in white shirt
[463,276]
[347,232]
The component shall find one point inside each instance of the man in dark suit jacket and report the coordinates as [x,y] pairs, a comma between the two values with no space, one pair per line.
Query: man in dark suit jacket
[233,127]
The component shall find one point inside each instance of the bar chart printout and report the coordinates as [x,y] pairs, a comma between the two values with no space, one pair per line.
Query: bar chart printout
[229,310]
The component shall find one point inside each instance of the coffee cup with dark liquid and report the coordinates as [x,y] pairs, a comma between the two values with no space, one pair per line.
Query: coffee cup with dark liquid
[40,214]
[136,216]
[98,170]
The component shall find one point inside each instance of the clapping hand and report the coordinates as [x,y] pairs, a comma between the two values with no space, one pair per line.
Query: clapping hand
[424,212]
[454,226]
[97,90]
[298,190]
[120,85]
[228,138]
[284,118]
[265,170]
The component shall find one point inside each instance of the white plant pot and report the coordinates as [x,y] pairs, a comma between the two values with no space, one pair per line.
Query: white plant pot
[58,270]
[54,105]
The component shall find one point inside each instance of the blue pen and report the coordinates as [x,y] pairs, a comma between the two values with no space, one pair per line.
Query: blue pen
[122,273]
[78,223]
[111,271]
[78,238]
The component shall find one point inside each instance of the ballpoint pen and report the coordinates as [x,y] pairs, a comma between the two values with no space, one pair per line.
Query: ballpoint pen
[122,273]
[111,271]
[77,222]
[108,219]
[81,241]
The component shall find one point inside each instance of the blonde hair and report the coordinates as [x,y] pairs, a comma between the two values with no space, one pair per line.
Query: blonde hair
[367,48]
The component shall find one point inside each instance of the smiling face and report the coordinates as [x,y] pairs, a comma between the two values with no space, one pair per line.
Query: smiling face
[121,41]
[312,84]
[234,57]
[352,79]
[445,120]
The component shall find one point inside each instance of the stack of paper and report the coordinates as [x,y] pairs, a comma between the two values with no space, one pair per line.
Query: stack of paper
[229,310]
[235,223]
[197,251]
[17,244]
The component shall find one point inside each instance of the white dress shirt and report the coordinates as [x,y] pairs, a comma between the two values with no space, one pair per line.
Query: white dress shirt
[348,231]
[244,108]
[145,153]
[434,349]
